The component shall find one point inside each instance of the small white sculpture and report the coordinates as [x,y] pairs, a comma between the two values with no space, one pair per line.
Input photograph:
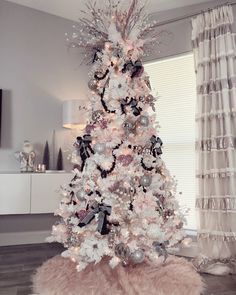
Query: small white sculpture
[26,157]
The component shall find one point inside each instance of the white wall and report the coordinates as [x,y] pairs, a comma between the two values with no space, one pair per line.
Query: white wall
[37,72]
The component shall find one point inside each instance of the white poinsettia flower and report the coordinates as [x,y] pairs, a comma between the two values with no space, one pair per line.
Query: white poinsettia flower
[93,249]
[74,220]
[118,87]
[114,262]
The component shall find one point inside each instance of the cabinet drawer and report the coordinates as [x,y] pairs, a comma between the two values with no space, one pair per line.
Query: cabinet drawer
[15,193]
[45,197]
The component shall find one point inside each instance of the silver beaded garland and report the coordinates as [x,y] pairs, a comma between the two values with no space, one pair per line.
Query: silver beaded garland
[137,256]
[146,180]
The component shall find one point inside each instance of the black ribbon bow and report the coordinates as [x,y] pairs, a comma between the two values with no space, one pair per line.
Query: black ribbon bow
[84,148]
[132,103]
[156,144]
[103,211]
[136,69]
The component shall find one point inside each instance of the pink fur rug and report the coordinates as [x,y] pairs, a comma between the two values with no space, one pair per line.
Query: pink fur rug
[58,276]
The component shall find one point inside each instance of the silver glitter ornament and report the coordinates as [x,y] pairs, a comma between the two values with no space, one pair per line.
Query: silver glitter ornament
[122,251]
[99,148]
[92,84]
[144,121]
[137,256]
[81,195]
[146,180]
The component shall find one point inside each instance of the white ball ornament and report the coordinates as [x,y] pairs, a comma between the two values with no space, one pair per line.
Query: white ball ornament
[137,256]
[99,148]
[144,121]
[146,180]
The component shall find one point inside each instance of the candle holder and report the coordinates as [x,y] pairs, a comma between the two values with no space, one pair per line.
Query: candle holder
[40,168]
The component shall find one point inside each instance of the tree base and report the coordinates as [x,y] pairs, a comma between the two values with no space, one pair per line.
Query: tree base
[58,276]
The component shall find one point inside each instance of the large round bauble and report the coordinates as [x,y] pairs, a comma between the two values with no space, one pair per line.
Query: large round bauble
[99,148]
[81,195]
[122,251]
[137,256]
[92,84]
[146,180]
[144,121]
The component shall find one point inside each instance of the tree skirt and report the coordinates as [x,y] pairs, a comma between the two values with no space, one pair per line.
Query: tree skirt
[58,276]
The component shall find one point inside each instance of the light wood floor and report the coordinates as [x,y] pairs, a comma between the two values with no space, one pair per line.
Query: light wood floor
[18,263]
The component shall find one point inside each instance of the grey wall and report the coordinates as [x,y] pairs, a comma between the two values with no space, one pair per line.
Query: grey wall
[180,41]
[37,73]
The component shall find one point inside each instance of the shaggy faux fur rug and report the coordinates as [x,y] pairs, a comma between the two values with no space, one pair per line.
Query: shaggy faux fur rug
[58,276]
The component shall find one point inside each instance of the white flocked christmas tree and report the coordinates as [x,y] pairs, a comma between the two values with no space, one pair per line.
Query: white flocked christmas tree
[122,201]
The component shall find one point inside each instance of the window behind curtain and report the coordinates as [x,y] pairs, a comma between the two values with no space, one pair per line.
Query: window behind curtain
[173,81]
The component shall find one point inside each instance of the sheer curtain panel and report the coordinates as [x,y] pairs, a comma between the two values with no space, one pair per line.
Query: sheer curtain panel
[214,52]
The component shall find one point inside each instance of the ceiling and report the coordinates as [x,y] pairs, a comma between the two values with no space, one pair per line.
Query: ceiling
[70,9]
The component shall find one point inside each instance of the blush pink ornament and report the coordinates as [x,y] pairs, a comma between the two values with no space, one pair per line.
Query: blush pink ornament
[89,128]
[103,123]
[82,214]
[125,160]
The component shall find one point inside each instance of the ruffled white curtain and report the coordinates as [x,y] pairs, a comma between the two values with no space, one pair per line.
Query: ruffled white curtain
[215,52]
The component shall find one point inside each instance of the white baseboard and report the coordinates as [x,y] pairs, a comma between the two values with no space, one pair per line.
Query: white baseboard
[21,238]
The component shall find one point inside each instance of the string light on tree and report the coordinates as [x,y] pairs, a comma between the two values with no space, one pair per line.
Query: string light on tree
[121,202]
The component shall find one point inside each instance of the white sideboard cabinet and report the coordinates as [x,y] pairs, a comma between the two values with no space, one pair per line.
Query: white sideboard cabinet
[31,193]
